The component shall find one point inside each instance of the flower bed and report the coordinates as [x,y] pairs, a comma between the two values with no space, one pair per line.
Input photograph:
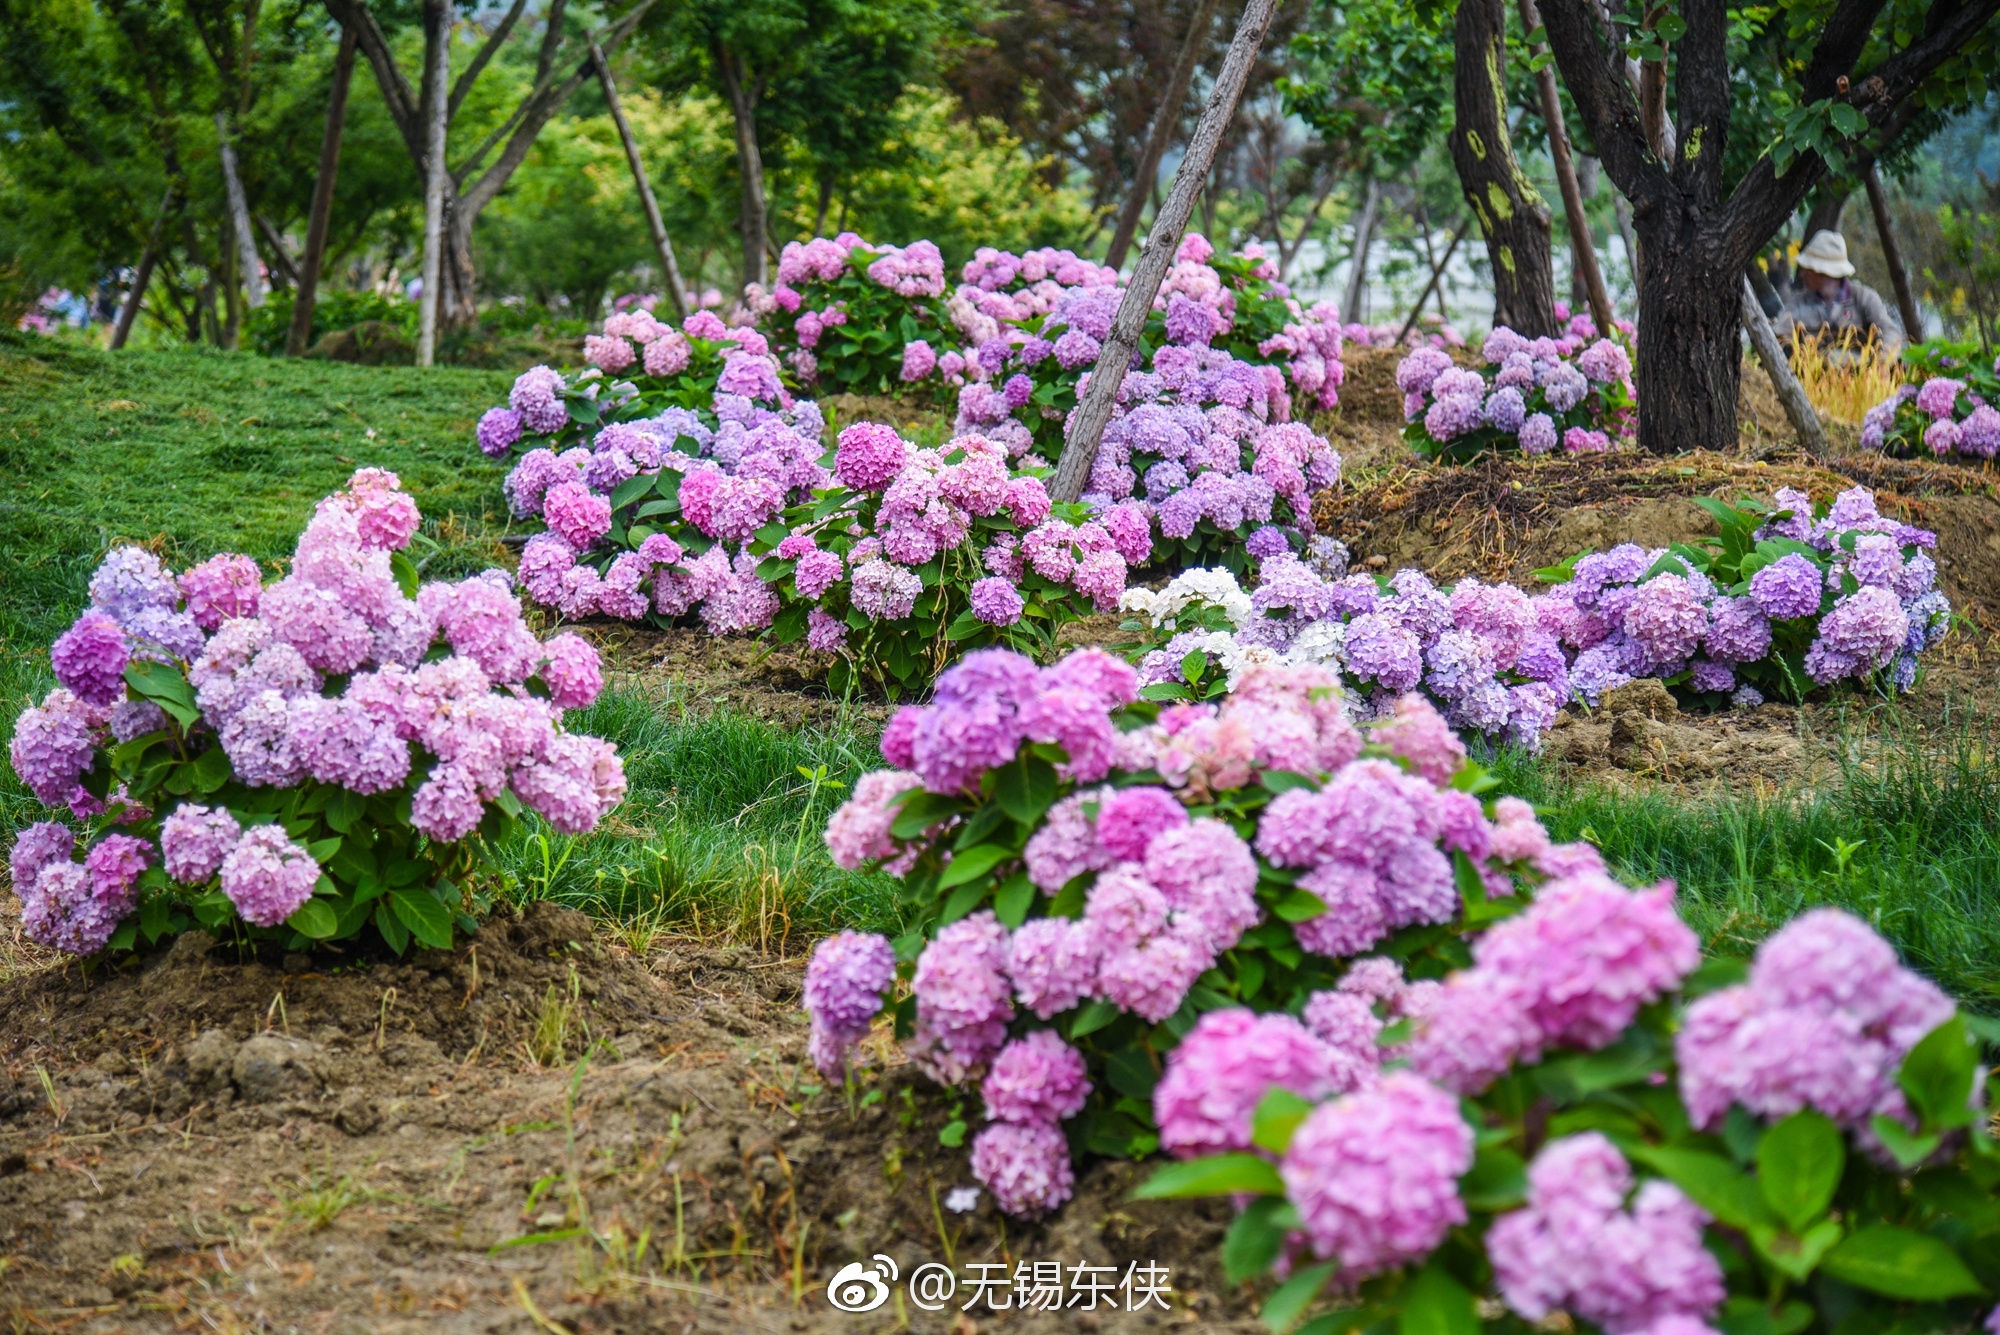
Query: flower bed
[297,762]
[1954,413]
[1531,395]
[1091,876]
[917,555]
[1782,603]
[1592,1121]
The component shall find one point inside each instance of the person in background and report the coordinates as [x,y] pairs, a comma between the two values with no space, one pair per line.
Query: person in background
[1825,299]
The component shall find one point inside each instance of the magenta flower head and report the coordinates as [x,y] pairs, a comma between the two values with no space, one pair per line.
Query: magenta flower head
[268,876]
[576,514]
[115,864]
[498,429]
[1418,734]
[573,672]
[868,455]
[996,601]
[844,984]
[90,657]
[1129,818]
[1224,1067]
[1037,1078]
[222,587]
[194,839]
[963,999]
[1374,1174]
[1025,1165]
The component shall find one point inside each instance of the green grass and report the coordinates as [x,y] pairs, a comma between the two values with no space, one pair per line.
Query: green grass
[1910,841]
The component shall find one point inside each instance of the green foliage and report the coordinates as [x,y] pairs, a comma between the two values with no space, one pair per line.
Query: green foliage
[268,326]
[1375,78]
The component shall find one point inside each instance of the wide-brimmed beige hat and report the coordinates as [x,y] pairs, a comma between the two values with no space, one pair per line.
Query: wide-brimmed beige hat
[1827,253]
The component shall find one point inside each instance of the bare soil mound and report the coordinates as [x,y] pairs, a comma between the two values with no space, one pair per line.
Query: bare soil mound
[539,1131]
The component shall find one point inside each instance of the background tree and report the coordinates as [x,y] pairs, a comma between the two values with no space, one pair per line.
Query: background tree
[1859,64]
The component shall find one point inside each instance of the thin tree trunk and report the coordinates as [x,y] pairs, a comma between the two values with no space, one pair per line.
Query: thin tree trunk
[825,203]
[1115,358]
[1510,211]
[1829,202]
[1798,408]
[670,268]
[437,82]
[1364,240]
[1583,245]
[1899,277]
[320,221]
[284,273]
[1437,273]
[1587,176]
[239,215]
[749,165]
[148,258]
[1172,98]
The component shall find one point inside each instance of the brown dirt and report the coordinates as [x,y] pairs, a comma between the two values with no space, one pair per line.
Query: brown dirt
[196,1141]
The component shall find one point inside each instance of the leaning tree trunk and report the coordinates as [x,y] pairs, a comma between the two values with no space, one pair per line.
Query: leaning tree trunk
[749,164]
[1510,211]
[1690,357]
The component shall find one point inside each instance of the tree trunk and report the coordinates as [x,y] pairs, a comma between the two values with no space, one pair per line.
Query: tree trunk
[1899,277]
[1690,357]
[749,164]
[1582,242]
[1172,98]
[1114,359]
[1586,185]
[1351,308]
[1829,201]
[239,215]
[128,314]
[1438,266]
[1510,211]
[437,82]
[320,220]
[670,269]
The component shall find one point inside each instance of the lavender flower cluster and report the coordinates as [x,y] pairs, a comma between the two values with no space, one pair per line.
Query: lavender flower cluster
[1944,417]
[1531,394]
[1841,597]
[1143,881]
[327,679]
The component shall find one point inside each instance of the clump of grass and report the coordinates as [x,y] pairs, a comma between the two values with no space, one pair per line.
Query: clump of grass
[1904,836]
[1842,375]
[720,830]
[558,1023]
[319,1198]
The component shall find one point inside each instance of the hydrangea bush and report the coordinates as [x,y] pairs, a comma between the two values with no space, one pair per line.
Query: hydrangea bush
[915,556]
[325,756]
[1094,879]
[1784,601]
[650,487]
[1530,394]
[1590,1124]
[1948,415]
[1479,653]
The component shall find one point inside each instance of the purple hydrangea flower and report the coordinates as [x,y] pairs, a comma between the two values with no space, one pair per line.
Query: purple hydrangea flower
[89,659]
[268,876]
[1787,588]
[844,985]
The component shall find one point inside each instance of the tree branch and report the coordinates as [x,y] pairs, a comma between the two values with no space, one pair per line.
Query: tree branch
[1602,99]
[463,84]
[396,91]
[535,111]
[1703,96]
[1840,45]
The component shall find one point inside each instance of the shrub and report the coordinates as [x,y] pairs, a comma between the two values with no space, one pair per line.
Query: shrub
[1091,879]
[1956,411]
[683,464]
[299,762]
[1592,1121]
[1531,395]
[1781,603]
[918,555]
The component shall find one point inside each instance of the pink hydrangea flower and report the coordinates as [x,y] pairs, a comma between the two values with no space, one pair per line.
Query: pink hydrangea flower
[1025,1165]
[844,984]
[1223,1068]
[268,876]
[1037,1078]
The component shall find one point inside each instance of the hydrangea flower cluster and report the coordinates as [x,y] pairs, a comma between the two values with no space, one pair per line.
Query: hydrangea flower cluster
[920,554]
[1579,1248]
[324,683]
[1945,417]
[1530,394]
[1477,651]
[1145,869]
[1824,1021]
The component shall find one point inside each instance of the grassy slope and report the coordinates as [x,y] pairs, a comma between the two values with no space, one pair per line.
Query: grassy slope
[198,452]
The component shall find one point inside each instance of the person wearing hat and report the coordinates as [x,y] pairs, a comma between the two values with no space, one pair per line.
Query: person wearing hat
[1826,299]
